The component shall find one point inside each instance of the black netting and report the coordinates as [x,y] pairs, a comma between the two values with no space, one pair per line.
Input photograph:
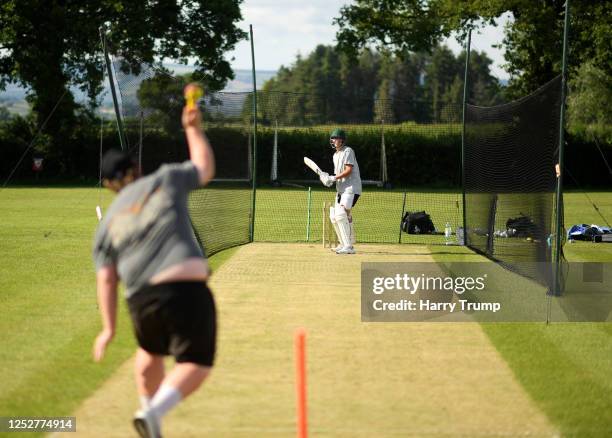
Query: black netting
[286,215]
[510,183]
[395,139]
[150,101]
[410,145]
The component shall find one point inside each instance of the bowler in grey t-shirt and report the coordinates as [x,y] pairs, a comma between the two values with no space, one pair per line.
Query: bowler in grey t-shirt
[145,240]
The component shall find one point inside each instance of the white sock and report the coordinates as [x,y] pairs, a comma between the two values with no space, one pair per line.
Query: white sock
[164,399]
[145,401]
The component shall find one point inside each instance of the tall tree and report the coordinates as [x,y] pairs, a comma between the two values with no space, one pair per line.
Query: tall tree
[533,39]
[484,89]
[440,73]
[386,92]
[359,79]
[328,85]
[50,45]
[591,93]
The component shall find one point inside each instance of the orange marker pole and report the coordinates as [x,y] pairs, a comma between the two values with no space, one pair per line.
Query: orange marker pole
[300,382]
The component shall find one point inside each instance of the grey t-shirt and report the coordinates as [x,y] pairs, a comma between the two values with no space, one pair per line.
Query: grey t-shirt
[352,183]
[147,227]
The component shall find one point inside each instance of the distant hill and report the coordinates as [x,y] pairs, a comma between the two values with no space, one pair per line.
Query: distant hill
[13,98]
[244,80]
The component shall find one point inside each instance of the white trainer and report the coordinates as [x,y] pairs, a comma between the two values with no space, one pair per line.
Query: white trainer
[336,248]
[346,250]
[146,424]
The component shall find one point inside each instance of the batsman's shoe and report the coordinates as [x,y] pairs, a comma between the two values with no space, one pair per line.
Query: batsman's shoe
[336,248]
[146,424]
[346,250]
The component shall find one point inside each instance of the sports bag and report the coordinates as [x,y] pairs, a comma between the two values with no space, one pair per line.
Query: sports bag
[418,222]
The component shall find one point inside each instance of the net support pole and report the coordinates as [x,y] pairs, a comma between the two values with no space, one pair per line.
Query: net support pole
[383,156]
[274,169]
[254,168]
[465,94]
[111,81]
[399,239]
[140,135]
[559,194]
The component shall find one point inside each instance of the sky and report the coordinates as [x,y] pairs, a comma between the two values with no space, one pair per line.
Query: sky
[284,28]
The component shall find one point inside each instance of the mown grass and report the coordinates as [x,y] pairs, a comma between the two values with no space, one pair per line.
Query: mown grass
[283,215]
[565,367]
[50,318]
[49,315]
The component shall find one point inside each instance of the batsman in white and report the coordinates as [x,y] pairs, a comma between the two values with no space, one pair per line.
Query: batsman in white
[348,188]
[146,241]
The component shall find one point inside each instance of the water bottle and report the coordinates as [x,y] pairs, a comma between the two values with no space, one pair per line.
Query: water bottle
[460,236]
[448,233]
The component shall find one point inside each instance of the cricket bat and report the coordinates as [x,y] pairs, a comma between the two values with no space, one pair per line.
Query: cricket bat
[313,166]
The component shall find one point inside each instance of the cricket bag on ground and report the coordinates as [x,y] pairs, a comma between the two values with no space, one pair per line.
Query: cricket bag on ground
[418,222]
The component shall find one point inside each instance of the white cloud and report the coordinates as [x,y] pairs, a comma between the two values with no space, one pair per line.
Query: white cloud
[484,40]
[284,28]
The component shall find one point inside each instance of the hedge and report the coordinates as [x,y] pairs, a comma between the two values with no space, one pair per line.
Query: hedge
[427,155]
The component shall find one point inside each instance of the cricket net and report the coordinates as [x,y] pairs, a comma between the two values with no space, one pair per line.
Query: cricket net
[510,184]
[149,103]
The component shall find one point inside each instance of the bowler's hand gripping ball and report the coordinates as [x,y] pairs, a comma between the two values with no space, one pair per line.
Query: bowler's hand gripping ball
[192,93]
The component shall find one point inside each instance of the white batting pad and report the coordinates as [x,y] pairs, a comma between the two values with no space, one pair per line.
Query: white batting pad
[344,228]
[332,218]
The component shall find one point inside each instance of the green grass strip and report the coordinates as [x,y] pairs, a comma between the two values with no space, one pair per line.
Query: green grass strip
[48,300]
[566,368]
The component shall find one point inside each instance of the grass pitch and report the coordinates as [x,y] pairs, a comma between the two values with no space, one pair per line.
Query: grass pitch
[364,379]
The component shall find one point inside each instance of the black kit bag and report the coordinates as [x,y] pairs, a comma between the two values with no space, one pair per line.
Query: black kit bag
[418,222]
[522,226]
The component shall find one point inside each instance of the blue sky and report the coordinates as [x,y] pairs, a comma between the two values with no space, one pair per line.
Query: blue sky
[284,28]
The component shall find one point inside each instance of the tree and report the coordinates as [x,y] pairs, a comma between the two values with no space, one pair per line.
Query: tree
[591,93]
[331,86]
[4,114]
[387,90]
[48,46]
[359,79]
[533,40]
[483,88]
[160,94]
[440,73]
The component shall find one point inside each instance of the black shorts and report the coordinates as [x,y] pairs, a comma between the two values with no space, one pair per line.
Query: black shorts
[355,198]
[177,319]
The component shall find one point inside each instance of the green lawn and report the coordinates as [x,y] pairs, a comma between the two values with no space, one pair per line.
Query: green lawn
[282,215]
[48,301]
[565,367]
[49,314]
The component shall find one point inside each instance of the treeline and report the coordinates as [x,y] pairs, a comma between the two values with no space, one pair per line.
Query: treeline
[331,86]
